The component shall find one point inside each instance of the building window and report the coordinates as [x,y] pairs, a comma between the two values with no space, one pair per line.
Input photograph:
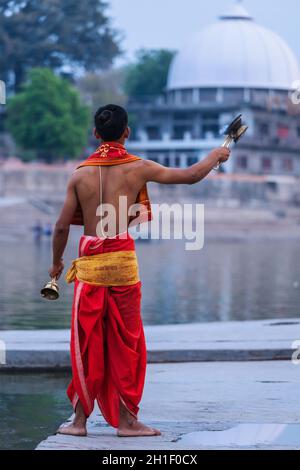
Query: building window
[179,132]
[282,132]
[288,165]
[210,130]
[153,133]
[259,97]
[186,96]
[267,164]
[233,95]
[210,125]
[208,95]
[170,97]
[167,161]
[242,162]
[153,156]
[177,162]
[191,161]
[263,129]
[180,116]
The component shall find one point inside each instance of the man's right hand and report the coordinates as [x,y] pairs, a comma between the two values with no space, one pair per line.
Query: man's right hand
[222,154]
[56,270]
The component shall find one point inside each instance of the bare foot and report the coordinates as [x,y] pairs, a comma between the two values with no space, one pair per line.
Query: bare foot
[78,426]
[136,428]
[72,430]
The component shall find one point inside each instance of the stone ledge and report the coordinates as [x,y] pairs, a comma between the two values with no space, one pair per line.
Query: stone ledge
[267,340]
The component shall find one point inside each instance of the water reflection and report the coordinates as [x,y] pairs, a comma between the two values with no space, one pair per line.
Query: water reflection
[31,407]
[225,281]
[247,435]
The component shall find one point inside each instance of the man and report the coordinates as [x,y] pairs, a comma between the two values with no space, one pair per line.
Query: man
[108,349]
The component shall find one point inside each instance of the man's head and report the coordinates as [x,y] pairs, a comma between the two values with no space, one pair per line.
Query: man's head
[111,123]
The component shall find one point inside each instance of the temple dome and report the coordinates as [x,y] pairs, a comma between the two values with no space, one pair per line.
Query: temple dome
[234,52]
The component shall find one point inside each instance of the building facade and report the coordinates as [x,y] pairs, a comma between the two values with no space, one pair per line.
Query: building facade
[233,66]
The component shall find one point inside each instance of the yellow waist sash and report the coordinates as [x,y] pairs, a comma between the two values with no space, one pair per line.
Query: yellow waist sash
[117,268]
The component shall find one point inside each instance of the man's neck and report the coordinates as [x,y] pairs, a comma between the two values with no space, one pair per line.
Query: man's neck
[120,141]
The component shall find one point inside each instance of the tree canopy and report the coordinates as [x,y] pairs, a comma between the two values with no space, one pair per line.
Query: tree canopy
[98,89]
[47,118]
[148,75]
[53,34]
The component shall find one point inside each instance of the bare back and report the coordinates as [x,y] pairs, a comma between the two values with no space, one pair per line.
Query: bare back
[118,180]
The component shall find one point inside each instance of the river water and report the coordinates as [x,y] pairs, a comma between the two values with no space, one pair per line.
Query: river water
[224,281]
[32,406]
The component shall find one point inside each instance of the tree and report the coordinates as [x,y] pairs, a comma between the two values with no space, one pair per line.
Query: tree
[148,76]
[53,34]
[98,89]
[46,117]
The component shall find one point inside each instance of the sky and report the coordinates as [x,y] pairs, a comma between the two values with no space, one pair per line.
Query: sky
[168,23]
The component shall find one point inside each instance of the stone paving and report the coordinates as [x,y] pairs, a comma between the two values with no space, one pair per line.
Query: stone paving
[188,397]
[228,341]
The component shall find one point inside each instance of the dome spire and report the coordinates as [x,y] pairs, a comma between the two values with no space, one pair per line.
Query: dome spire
[236,12]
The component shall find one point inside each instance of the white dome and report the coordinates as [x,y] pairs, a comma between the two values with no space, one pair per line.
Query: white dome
[234,52]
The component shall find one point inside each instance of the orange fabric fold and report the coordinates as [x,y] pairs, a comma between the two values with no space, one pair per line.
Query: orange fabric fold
[113,153]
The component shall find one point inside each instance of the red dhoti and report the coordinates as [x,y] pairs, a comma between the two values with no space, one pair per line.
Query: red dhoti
[108,350]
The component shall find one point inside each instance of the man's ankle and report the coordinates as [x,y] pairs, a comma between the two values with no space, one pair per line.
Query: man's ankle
[79,421]
[127,419]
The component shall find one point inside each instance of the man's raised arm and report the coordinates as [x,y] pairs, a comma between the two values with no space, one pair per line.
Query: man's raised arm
[191,175]
[62,229]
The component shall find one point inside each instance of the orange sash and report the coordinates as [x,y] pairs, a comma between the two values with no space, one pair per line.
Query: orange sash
[118,268]
[113,153]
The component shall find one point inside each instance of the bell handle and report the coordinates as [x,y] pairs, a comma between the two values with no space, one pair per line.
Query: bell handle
[226,144]
[228,141]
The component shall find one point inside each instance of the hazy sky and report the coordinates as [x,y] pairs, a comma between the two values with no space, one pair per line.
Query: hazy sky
[167,23]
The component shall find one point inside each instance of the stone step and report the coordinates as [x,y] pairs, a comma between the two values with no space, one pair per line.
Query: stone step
[229,341]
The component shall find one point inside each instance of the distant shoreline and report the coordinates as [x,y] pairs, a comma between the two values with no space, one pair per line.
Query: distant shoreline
[228,223]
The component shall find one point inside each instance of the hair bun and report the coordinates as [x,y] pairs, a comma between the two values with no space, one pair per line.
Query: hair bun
[105,117]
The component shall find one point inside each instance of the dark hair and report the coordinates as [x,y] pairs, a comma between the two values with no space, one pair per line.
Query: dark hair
[110,122]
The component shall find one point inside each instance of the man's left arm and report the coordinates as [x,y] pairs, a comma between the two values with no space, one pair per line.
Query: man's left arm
[62,229]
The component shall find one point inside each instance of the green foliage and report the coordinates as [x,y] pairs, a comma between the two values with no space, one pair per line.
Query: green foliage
[148,76]
[53,34]
[47,117]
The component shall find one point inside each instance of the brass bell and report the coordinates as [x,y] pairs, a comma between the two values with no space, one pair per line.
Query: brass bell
[51,290]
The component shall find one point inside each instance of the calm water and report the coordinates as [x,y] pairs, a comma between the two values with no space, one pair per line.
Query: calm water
[224,281]
[31,408]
